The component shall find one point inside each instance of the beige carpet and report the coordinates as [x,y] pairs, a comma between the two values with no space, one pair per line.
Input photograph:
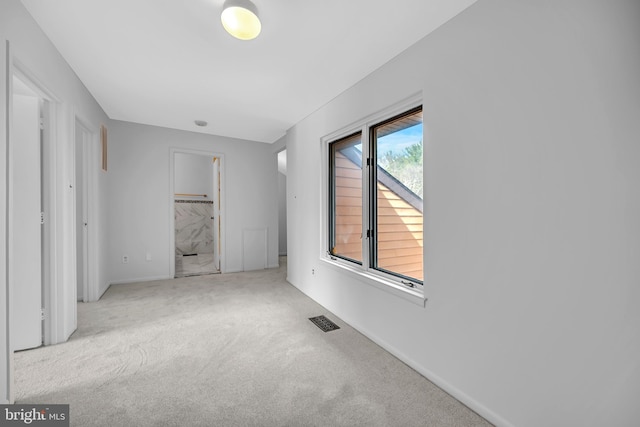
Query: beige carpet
[226,350]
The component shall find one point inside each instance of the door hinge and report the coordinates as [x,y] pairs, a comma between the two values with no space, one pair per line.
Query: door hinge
[369,233]
[41,218]
[42,314]
[41,123]
[368,162]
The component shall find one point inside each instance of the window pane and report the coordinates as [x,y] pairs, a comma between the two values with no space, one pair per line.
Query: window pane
[346,198]
[398,208]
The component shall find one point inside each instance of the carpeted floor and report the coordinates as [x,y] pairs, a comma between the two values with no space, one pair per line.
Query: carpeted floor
[226,350]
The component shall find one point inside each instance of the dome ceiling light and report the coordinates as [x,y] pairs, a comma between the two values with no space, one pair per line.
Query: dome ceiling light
[240,19]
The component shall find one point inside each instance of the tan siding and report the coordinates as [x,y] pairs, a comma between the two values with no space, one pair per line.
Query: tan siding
[399,237]
[403,227]
[348,226]
[400,225]
[399,220]
[349,173]
[348,192]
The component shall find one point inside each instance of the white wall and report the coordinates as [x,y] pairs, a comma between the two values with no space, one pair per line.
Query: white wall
[193,174]
[532,118]
[139,197]
[31,48]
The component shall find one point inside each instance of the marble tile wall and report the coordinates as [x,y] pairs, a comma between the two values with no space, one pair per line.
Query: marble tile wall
[195,265]
[194,227]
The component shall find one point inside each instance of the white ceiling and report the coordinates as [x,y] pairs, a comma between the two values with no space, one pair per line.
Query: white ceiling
[170,62]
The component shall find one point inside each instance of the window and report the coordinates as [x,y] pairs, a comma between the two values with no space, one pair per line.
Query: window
[346,198]
[375,205]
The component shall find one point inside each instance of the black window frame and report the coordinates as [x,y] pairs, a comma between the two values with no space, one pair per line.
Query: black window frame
[370,226]
[332,194]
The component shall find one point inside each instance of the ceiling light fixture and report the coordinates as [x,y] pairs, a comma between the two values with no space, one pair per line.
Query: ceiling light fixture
[240,19]
[200,123]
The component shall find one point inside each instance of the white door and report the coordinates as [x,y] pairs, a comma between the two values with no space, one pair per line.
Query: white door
[83,139]
[25,257]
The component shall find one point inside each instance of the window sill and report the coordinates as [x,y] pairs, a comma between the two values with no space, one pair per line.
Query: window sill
[412,295]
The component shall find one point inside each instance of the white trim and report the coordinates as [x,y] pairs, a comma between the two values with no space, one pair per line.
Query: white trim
[391,286]
[52,260]
[49,256]
[60,312]
[399,107]
[217,212]
[93,216]
[53,316]
[222,208]
[22,72]
[90,142]
[103,291]
[464,398]
[378,279]
[8,371]
[53,268]
[138,280]
[286,185]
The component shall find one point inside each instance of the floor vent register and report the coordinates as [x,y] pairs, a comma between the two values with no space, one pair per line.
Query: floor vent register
[323,323]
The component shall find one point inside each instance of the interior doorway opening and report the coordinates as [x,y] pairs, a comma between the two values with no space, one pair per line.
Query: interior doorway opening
[26,215]
[83,138]
[42,292]
[197,213]
[282,203]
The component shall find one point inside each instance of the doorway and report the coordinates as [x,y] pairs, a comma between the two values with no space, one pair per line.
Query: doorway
[197,213]
[82,147]
[282,204]
[26,215]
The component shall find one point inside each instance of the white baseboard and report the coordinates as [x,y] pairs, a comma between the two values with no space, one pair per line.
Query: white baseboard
[102,291]
[139,279]
[465,399]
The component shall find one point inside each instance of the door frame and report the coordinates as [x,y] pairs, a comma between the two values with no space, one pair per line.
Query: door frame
[49,193]
[6,356]
[47,197]
[221,208]
[26,223]
[59,310]
[217,180]
[286,204]
[90,142]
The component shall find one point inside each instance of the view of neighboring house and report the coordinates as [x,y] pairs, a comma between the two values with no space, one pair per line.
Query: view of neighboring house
[400,220]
